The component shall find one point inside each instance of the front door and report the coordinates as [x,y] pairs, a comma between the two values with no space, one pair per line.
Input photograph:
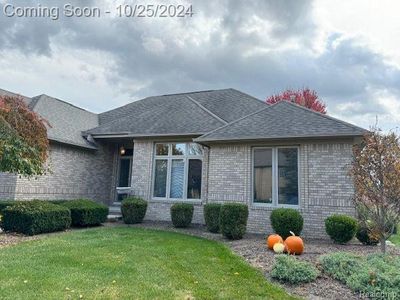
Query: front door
[124,174]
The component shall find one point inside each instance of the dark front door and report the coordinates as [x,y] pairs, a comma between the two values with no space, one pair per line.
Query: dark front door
[124,174]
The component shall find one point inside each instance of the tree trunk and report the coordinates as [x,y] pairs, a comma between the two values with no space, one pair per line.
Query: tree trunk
[383,245]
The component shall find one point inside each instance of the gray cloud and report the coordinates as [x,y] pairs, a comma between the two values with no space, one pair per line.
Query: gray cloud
[260,47]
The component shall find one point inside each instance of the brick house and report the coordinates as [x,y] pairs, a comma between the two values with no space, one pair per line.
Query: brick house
[199,147]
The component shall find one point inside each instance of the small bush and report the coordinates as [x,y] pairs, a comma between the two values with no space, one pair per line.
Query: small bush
[376,274]
[133,210]
[363,236]
[182,214]
[291,270]
[86,212]
[233,220]
[3,205]
[34,217]
[340,265]
[341,228]
[211,216]
[284,220]
[6,203]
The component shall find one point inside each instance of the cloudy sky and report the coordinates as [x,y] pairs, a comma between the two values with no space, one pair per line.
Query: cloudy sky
[348,51]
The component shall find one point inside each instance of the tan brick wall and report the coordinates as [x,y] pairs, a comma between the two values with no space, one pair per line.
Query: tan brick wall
[75,173]
[142,168]
[325,187]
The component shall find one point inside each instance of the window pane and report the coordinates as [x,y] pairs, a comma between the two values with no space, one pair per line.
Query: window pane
[178,149]
[194,179]
[160,178]
[195,149]
[287,176]
[177,178]
[162,149]
[263,175]
[123,178]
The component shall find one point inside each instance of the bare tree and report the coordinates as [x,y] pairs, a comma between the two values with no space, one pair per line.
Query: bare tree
[376,175]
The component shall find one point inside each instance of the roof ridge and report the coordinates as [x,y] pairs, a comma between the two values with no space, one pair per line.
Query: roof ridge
[322,115]
[164,95]
[207,110]
[34,101]
[65,102]
[195,92]
[237,120]
[248,95]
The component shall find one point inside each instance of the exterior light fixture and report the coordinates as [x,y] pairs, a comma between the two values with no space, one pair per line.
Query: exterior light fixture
[122,150]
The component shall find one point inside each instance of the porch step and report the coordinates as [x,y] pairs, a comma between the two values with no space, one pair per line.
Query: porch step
[115,209]
[114,217]
[114,212]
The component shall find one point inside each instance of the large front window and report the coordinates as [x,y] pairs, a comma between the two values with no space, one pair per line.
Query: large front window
[275,176]
[177,171]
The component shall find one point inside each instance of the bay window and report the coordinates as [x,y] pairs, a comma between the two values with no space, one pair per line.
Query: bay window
[275,176]
[177,171]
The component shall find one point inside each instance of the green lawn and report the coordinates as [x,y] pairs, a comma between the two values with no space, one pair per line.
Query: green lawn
[128,263]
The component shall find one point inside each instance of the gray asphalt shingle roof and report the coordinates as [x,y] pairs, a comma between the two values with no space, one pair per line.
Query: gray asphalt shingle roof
[27,100]
[67,121]
[280,121]
[217,115]
[187,113]
[166,115]
[228,104]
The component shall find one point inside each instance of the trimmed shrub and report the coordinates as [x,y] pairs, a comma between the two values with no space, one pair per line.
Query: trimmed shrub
[182,214]
[133,210]
[291,270]
[3,205]
[233,220]
[341,228]
[363,236]
[284,220]
[6,203]
[340,265]
[34,217]
[376,274]
[86,212]
[211,216]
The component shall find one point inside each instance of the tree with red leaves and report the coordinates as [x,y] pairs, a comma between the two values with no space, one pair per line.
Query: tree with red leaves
[305,97]
[23,138]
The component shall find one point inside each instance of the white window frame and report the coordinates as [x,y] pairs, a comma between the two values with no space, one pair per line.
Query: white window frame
[169,158]
[275,178]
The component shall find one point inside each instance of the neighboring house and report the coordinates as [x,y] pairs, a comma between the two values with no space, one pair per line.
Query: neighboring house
[199,147]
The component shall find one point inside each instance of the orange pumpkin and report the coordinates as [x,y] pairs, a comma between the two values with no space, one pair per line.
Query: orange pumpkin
[294,244]
[273,239]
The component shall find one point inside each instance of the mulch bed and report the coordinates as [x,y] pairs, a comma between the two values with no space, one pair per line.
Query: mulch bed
[253,249]
[8,239]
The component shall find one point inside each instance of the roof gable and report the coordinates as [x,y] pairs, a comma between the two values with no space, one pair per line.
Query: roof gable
[66,120]
[280,121]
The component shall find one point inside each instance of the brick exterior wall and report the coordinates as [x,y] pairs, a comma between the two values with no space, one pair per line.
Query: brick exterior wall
[142,169]
[75,173]
[325,187]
